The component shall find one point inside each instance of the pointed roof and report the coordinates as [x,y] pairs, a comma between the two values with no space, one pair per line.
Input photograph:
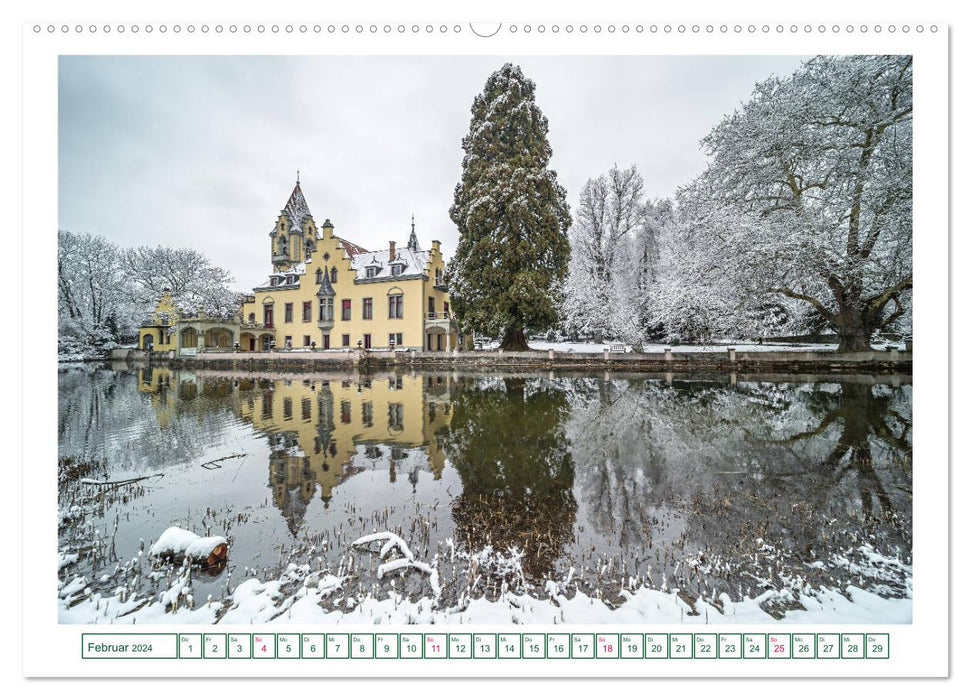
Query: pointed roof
[296,209]
[326,289]
[413,239]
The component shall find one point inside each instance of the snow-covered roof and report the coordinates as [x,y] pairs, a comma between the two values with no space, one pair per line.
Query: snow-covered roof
[296,209]
[413,262]
[293,271]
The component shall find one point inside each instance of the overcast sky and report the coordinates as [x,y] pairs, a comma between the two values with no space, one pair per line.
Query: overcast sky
[203,151]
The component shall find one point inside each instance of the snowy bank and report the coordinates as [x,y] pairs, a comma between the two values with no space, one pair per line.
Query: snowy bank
[259,602]
[305,596]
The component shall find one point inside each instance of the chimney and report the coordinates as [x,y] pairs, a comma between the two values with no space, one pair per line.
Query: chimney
[391,250]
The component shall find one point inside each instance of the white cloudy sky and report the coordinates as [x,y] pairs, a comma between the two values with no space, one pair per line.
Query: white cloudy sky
[203,151]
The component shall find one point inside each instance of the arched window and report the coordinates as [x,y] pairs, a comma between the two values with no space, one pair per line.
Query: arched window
[396,303]
[333,275]
[320,276]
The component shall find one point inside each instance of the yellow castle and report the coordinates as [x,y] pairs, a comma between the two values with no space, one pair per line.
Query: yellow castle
[324,294]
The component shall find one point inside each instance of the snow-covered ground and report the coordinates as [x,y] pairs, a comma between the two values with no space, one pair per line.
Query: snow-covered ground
[721,346]
[255,602]
[297,597]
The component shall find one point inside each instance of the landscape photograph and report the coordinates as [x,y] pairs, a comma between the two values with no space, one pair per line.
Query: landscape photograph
[478,340]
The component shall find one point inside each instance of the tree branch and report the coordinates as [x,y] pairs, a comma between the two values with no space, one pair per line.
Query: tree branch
[826,313]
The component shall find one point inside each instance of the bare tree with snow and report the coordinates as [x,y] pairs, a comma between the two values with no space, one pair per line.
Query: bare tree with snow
[94,298]
[196,285]
[808,198]
[614,258]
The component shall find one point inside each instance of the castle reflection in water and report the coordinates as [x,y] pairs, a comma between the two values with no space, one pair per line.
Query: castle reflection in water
[321,429]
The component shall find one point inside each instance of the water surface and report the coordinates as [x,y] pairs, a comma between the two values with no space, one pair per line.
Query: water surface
[609,481]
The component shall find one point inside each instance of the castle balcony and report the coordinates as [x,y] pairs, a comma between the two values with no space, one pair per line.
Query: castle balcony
[442,321]
[281,258]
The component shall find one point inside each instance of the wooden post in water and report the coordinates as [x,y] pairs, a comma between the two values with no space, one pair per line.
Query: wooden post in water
[668,357]
[731,355]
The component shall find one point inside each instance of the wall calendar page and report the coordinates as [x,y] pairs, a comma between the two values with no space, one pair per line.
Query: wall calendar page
[453,348]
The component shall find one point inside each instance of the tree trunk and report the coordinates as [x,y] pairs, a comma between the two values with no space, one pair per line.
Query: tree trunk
[853,330]
[514,339]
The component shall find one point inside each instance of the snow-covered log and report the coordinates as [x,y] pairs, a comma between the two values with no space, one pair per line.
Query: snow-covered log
[176,542]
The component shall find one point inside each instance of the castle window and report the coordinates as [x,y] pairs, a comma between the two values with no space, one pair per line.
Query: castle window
[346,340]
[307,312]
[252,318]
[333,275]
[397,269]
[438,277]
[345,309]
[306,341]
[368,310]
[288,312]
[371,271]
[320,276]
[396,306]
[396,416]
[326,309]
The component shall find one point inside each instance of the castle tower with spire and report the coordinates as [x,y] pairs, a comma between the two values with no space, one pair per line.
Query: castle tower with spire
[294,237]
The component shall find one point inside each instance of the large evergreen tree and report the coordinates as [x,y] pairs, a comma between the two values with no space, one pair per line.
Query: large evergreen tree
[511,214]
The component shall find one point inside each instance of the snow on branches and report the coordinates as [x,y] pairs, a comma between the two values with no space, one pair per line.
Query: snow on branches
[614,258]
[808,197]
[405,561]
[511,214]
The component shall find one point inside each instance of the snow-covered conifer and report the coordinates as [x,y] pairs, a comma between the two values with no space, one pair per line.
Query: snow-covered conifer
[511,214]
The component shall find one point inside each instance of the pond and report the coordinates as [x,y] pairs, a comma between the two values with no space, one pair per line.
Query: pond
[788,497]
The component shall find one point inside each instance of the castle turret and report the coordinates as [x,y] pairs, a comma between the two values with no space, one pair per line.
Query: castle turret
[294,237]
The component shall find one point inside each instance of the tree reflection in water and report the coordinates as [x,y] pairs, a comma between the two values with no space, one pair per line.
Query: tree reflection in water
[508,444]
[723,486]
[872,448]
